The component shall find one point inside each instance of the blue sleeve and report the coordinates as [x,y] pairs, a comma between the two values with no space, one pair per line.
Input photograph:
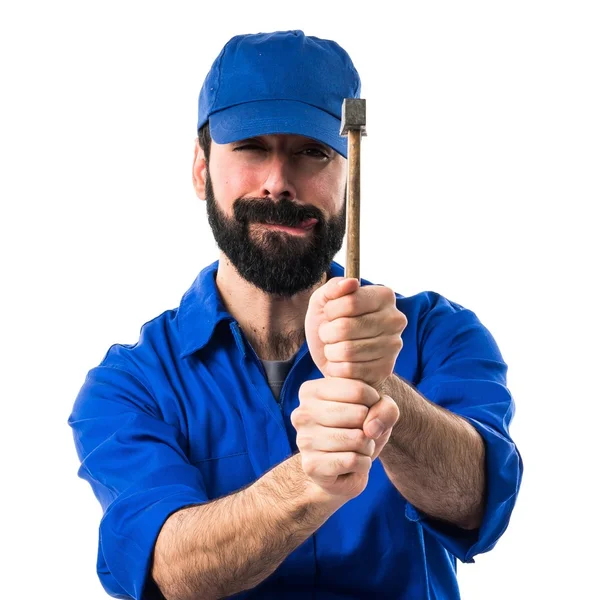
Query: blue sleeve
[464,372]
[138,470]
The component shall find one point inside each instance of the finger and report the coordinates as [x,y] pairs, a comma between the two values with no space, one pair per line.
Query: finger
[334,439]
[327,465]
[363,300]
[353,328]
[363,350]
[371,372]
[362,327]
[353,391]
[381,418]
[330,414]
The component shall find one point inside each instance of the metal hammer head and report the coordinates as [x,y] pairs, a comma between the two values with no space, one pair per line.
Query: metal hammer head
[354,116]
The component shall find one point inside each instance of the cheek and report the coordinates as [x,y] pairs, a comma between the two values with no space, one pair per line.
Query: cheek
[231,185]
[330,192]
[335,184]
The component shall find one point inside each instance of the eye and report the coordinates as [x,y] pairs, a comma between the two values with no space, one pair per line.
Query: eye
[248,147]
[315,152]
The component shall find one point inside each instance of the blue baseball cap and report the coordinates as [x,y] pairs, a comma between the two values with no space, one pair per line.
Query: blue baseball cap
[280,82]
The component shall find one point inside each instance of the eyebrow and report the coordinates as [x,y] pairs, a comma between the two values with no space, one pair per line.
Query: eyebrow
[261,138]
[250,139]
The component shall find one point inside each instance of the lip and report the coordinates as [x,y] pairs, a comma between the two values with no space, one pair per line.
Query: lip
[306,226]
[292,230]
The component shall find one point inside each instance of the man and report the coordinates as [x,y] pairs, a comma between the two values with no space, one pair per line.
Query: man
[287,432]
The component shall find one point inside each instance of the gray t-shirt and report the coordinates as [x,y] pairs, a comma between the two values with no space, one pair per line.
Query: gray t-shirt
[277,371]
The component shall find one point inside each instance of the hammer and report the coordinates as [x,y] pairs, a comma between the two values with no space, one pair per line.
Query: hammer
[354,122]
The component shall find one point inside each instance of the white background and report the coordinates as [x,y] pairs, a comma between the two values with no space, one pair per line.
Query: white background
[480,182]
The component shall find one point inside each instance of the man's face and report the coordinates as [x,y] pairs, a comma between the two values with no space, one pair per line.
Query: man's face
[276,206]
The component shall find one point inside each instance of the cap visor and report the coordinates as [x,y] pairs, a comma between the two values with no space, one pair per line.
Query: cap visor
[266,117]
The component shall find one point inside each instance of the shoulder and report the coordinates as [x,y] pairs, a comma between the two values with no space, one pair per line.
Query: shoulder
[436,321]
[425,306]
[158,343]
[429,303]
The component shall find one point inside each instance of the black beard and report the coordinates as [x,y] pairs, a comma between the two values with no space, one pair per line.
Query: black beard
[277,262]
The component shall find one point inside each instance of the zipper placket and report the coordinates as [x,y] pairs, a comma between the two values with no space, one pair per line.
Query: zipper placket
[262,367]
[244,343]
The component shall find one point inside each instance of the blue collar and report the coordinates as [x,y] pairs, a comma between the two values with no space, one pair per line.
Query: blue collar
[201,309]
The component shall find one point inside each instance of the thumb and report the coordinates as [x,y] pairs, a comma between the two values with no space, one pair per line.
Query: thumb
[382,416]
[336,287]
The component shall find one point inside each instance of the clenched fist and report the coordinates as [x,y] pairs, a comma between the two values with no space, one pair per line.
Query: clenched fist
[342,422]
[354,332]
[330,420]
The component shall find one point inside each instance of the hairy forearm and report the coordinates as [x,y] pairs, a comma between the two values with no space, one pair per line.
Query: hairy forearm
[218,549]
[435,458]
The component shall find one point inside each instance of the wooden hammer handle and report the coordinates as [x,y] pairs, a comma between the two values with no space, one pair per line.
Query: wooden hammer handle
[353,206]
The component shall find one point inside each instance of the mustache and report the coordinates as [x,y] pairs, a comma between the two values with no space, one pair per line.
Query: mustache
[283,212]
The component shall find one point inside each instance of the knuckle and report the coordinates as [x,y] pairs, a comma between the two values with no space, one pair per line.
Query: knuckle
[368,394]
[303,440]
[333,369]
[355,391]
[340,436]
[396,342]
[363,411]
[309,464]
[403,319]
[335,409]
[359,437]
[350,304]
[294,417]
[347,350]
[342,464]
[306,390]
[329,352]
[343,327]
[326,333]
[364,372]
[388,294]
[337,352]
[345,370]
[353,461]
[299,417]
[352,439]
[399,320]
[366,322]
[332,308]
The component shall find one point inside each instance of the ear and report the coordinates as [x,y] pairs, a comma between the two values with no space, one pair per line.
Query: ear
[199,169]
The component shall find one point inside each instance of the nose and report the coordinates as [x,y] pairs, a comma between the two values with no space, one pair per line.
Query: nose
[277,183]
